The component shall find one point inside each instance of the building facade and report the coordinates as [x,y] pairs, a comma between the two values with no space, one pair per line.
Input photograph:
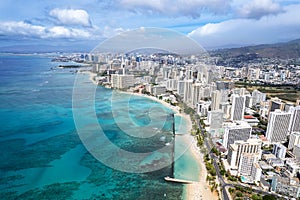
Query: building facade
[278,126]
[294,140]
[238,107]
[279,150]
[295,119]
[235,151]
[236,131]
[285,186]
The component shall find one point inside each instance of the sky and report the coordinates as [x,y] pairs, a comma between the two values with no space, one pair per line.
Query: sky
[85,23]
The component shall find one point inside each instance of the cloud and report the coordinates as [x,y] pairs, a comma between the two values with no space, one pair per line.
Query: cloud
[110,32]
[63,32]
[259,8]
[282,27]
[190,8]
[71,16]
[22,29]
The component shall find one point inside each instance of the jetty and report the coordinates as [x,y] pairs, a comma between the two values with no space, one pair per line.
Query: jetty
[167,178]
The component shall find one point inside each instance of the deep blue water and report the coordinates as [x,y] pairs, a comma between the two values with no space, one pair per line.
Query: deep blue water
[42,156]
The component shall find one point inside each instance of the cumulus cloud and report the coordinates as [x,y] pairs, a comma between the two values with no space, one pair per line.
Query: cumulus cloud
[71,16]
[110,31]
[191,8]
[259,8]
[23,29]
[282,27]
[63,32]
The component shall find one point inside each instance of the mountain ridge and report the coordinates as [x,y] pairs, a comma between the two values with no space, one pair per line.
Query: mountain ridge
[282,50]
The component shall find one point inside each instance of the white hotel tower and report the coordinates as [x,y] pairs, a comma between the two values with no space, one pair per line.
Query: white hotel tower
[238,107]
[278,126]
[295,119]
[236,131]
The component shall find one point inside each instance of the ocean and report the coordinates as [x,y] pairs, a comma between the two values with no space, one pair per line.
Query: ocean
[57,142]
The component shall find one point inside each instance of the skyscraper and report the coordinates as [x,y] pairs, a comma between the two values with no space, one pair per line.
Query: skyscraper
[258,96]
[122,81]
[249,101]
[236,131]
[235,151]
[278,126]
[274,104]
[187,93]
[238,107]
[295,119]
[246,163]
[180,88]
[215,119]
[196,89]
[216,100]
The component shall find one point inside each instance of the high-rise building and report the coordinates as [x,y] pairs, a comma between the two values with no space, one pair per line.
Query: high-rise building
[294,139]
[295,119]
[205,92]
[296,152]
[256,173]
[172,84]
[284,186]
[251,146]
[292,167]
[275,104]
[187,93]
[224,85]
[288,107]
[196,96]
[180,88]
[224,96]
[278,126]
[236,131]
[158,90]
[248,101]
[122,81]
[215,119]
[225,107]
[258,97]
[279,150]
[246,163]
[238,107]
[216,100]
[202,108]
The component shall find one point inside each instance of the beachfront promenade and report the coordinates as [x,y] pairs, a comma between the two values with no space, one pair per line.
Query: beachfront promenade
[223,184]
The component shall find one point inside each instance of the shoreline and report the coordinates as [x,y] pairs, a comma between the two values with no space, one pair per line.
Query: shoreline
[201,189]
[196,190]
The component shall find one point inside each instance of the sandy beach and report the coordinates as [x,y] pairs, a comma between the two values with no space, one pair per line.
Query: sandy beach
[197,190]
[201,189]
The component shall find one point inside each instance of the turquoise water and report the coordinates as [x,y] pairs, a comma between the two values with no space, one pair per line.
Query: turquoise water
[42,156]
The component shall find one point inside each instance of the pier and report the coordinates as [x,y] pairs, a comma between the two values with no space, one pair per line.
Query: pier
[167,178]
[178,180]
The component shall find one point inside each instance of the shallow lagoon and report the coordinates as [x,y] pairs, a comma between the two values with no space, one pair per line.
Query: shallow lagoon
[42,156]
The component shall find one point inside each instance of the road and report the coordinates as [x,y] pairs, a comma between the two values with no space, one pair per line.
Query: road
[223,184]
